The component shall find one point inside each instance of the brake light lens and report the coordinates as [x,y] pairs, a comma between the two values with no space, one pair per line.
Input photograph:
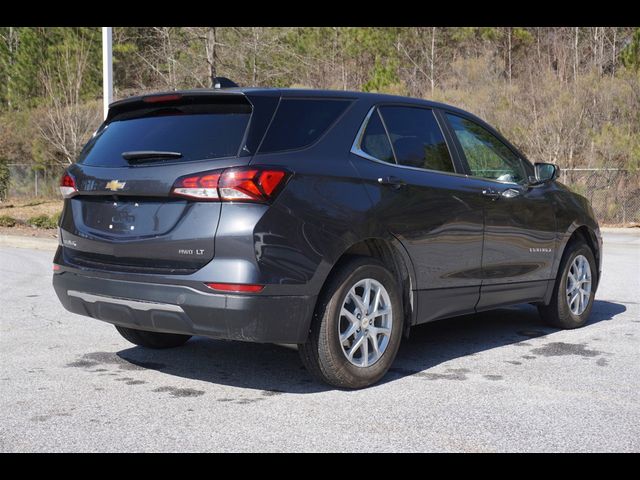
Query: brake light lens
[201,187]
[235,287]
[67,185]
[243,184]
[172,97]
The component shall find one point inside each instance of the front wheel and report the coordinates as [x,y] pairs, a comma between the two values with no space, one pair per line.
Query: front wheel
[574,289]
[357,326]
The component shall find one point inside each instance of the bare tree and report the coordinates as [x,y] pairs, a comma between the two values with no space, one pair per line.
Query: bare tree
[207,40]
[68,121]
[10,40]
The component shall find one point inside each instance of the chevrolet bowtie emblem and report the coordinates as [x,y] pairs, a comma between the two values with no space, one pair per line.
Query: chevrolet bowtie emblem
[115,185]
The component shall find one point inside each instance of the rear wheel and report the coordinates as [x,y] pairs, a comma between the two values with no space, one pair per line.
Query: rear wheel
[574,289]
[152,339]
[357,326]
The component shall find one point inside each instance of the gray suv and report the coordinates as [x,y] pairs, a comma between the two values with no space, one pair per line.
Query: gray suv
[331,220]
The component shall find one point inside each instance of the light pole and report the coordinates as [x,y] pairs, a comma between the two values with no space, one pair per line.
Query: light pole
[107,69]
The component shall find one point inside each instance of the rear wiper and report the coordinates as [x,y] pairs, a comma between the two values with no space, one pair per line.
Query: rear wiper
[149,155]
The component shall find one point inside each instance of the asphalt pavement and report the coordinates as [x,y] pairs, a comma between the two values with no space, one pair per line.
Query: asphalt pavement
[496,381]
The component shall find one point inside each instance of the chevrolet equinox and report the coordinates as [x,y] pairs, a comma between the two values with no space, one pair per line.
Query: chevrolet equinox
[331,220]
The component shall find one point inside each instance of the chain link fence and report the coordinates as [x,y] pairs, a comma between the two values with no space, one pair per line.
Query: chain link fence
[29,181]
[613,193]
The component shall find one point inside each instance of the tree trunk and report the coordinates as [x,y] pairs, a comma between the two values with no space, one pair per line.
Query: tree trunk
[212,56]
[255,58]
[575,60]
[509,53]
[433,59]
[613,51]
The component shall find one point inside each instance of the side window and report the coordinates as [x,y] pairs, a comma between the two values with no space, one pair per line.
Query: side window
[487,156]
[375,141]
[416,138]
[300,121]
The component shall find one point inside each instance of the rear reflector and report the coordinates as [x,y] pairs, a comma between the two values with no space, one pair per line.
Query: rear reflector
[235,287]
[67,185]
[162,98]
[245,184]
[56,268]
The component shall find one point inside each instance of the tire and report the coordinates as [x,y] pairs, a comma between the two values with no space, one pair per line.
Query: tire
[155,340]
[324,356]
[559,313]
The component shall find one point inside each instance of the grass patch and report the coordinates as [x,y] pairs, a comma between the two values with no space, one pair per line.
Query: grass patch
[44,221]
[7,221]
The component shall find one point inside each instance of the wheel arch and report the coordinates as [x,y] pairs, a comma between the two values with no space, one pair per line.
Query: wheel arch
[393,256]
[586,234]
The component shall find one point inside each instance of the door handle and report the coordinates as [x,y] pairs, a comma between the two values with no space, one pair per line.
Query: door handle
[395,182]
[491,193]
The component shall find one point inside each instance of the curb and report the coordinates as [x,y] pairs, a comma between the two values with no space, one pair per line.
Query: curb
[34,243]
[631,230]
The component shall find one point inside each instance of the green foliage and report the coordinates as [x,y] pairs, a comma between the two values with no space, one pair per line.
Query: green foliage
[44,221]
[381,77]
[522,35]
[630,55]
[616,144]
[7,221]
[490,34]
[27,52]
[4,179]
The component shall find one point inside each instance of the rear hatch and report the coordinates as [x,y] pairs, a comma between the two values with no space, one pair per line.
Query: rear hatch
[123,217]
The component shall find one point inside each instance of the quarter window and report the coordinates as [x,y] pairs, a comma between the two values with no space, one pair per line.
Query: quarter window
[487,156]
[375,141]
[300,122]
[416,138]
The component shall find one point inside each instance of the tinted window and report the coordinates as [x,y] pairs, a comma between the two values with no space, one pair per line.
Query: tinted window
[195,136]
[300,122]
[416,138]
[487,156]
[375,141]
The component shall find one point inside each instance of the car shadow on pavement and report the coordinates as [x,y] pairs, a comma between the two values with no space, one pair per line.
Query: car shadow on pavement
[277,369]
[435,343]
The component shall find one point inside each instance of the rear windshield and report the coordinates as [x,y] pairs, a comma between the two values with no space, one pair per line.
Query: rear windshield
[299,122]
[196,136]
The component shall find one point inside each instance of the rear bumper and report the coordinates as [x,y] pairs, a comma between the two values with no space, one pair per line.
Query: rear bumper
[182,309]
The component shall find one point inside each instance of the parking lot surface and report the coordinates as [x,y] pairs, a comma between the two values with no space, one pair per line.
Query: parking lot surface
[496,381]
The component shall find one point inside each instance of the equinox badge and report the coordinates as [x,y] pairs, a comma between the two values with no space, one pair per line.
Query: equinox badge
[115,185]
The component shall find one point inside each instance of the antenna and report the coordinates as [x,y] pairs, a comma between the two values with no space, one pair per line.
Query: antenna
[223,82]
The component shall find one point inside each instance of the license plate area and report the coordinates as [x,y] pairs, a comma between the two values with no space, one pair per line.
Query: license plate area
[130,218]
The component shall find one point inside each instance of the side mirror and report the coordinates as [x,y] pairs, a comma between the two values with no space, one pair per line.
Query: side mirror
[546,172]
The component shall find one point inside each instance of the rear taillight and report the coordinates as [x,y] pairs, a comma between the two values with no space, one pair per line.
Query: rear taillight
[67,185]
[203,186]
[246,184]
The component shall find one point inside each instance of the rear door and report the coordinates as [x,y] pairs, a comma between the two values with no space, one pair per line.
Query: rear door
[417,191]
[123,217]
[519,236]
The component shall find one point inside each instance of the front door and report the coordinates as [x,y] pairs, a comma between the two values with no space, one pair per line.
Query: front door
[519,234]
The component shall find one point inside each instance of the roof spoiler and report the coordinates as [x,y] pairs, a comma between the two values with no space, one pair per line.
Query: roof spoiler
[176,98]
